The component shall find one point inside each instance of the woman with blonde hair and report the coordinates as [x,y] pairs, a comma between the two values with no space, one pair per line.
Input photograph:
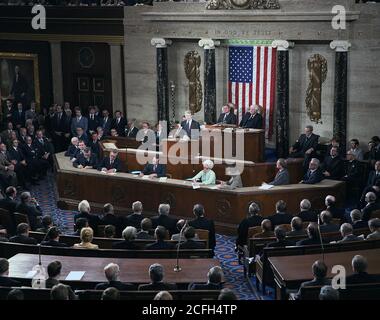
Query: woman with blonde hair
[206,176]
[86,235]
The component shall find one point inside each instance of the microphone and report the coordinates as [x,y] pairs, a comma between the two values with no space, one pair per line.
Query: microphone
[39,278]
[177,268]
[320,238]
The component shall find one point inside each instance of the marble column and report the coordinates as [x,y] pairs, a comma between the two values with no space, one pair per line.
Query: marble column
[282,98]
[116,78]
[56,66]
[209,79]
[162,77]
[340,90]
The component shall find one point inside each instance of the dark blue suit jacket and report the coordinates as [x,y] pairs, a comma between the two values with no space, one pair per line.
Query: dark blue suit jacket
[230,118]
[105,163]
[254,123]
[313,178]
[194,126]
[160,170]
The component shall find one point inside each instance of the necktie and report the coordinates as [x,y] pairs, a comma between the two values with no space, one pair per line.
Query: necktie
[92,117]
[155,168]
[118,120]
[224,118]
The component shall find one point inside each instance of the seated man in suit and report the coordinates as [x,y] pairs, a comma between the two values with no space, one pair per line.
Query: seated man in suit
[110,164]
[282,175]
[160,244]
[313,235]
[86,160]
[332,207]
[357,151]
[30,207]
[131,132]
[73,148]
[190,241]
[357,219]
[84,212]
[207,175]
[214,280]
[201,222]
[156,274]
[54,272]
[314,174]
[94,143]
[109,218]
[129,235]
[252,119]
[297,228]
[5,281]
[305,146]
[280,234]
[373,180]
[332,166]
[146,226]
[53,239]
[164,220]
[190,126]
[135,218]
[266,228]
[227,117]
[371,206]
[112,273]
[374,227]
[319,271]
[253,220]
[154,169]
[22,235]
[346,231]
[281,216]
[327,224]
[307,214]
[234,182]
[10,203]
[81,135]
[360,275]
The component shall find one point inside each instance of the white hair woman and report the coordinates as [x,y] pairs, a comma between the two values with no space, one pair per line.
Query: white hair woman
[206,176]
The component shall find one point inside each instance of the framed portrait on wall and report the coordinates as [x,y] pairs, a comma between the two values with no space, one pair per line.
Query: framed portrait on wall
[19,78]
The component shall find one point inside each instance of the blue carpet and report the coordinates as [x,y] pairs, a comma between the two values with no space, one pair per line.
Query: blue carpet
[45,193]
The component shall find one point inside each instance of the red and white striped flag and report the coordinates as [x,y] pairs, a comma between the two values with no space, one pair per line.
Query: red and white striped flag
[252,79]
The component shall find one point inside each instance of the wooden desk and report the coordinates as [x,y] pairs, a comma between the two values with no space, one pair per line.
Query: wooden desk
[291,271]
[226,207]
[131,270]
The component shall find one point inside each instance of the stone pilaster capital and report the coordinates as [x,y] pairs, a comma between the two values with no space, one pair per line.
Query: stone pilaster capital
[282,45]
[208,43]
[160,42]
[340,45]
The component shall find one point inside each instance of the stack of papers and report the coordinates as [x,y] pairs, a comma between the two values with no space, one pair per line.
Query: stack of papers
[75,275]
[163,179]
[266,186]
[196,186]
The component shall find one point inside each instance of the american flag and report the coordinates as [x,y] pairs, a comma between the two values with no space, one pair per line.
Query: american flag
[252,78]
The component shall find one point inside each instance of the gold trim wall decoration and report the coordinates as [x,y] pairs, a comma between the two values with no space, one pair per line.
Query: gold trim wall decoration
[317,66]
[192,63]
[242,4]
[5,75]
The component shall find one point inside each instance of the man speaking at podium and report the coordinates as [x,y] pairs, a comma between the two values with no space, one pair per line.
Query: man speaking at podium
[252,119]
[227,117]
[190,126]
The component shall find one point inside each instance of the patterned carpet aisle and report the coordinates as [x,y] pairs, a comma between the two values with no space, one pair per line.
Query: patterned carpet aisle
[45,193]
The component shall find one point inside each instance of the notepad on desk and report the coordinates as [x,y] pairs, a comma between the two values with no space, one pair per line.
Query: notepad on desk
[75,275]
[136,172]
[266,186]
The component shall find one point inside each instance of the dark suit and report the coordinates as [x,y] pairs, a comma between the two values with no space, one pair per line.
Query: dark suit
[119,126]
[334,166]
[191,244]
[125,244]
[10,205]
[335,211]
[373,177]
[58,124]
[308,241]
[352,176]
[159,169]
[252,121]
[160,245]
[115,284]
[280,218]
[205,224]
[33,212]
[361,224]
[280,244]
[23,239]
[9,282]
[79,123]
[93,220]
[134,220]
[227,118]
[165,221]
[19,87]
[94,123]
[205,286]
[253,221]
[132,132]
[18,118]
[20,169]
[95,147]
[159,286]
[143,235]
[81,160]
[71,151]
[349,238]
[111,219]
[308,216]
[362,277]
[330,227]
[303,144]
[53,243]
[105,163]
[368,209]
[295,233]
[34,164]
[106,124]
[281,178]
[312,283]
[313,177]
[195,127]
